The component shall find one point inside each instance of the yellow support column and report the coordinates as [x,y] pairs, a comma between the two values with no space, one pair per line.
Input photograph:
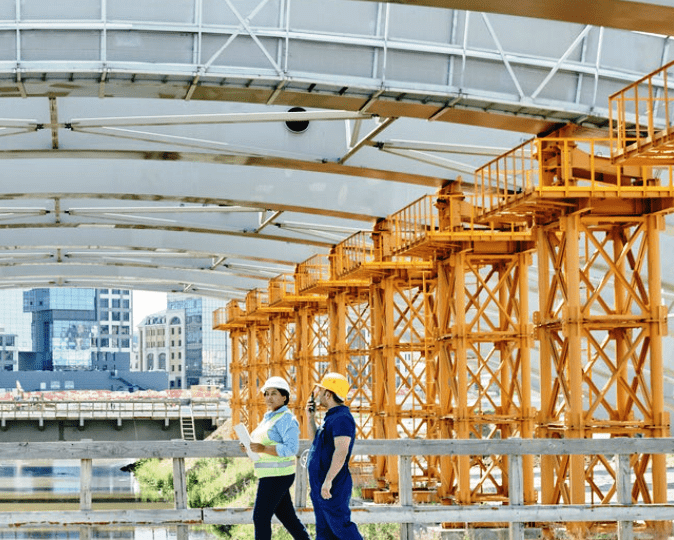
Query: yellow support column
[349,337]
[305,359]
[379,374]
[547,415]
[574,418]
[462,418]
[385,376]
[657,328]
[258,371]
[337,336]
[447,376]
[524,344]
[232,319]
[238,377]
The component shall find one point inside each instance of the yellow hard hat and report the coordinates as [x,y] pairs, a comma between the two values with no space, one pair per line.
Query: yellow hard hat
[336,383]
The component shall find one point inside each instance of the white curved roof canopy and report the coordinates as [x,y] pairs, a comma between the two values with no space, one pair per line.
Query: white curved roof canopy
[144,144]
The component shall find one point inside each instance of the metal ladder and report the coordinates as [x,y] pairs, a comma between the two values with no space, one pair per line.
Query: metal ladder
[187,430]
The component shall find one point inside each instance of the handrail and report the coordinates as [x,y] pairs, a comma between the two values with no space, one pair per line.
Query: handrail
[281,287]
[515,513]
[203,407]
[227,315]
[312,271]
[352,253]
[640,117]
[565,167]
[256,299]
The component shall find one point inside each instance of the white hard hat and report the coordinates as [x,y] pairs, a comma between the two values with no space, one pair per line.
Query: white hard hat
[276,382]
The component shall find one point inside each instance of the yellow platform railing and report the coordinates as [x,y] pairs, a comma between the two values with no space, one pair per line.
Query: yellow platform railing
[352,253]
[281,287]
[231,313]
[641,118]
[554,167]
[413,223]
[256,299]
[313,271]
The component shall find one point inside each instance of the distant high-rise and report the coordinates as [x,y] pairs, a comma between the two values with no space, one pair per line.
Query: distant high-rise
[13,320]
[206,349]
[79,329]
[9,352]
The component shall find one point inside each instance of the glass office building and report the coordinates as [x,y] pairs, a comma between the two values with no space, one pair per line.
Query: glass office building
[73,329]
[13,320]
[206,353]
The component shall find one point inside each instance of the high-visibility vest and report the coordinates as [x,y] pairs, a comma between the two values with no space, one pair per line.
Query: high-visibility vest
[271,465]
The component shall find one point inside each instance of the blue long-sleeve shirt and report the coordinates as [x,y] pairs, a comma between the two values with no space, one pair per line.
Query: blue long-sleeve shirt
[285,432]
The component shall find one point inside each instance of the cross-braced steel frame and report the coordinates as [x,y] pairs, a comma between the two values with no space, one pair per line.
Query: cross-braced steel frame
[600,320]
[601,350]
[484,365]
[479,374]
[449,338]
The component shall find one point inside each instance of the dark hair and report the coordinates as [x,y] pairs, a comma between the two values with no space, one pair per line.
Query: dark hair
[337,399]
[285,394]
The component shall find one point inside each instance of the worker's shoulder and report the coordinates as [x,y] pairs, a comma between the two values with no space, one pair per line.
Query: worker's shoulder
[341,415]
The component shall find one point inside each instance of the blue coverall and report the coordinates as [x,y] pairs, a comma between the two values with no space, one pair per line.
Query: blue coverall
[333,516]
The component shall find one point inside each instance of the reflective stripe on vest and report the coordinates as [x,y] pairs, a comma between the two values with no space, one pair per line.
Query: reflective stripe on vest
[272,465]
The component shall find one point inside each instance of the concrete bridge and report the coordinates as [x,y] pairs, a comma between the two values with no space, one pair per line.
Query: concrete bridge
[113,419]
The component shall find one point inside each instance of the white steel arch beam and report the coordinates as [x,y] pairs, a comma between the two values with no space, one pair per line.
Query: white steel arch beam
[232,159]
[352,56]
[141,256]
[653,17]
[225,187]
[392,94]
[134,276]
[251,247]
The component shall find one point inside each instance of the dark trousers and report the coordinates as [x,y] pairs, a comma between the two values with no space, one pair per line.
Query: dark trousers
[273,498]
[333,516]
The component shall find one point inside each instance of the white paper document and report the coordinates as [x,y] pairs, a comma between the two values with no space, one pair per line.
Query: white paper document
[244,437]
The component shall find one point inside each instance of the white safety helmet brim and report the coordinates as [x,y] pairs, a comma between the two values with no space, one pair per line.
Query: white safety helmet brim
[276,382]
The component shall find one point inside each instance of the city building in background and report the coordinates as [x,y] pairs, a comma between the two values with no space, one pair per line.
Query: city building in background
[162,346]
[182,338]
[14,320]
[207,349]
[9,352]
[79,329]
[89,332]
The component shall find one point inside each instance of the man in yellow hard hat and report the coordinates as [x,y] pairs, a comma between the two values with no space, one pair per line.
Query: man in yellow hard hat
[328,462]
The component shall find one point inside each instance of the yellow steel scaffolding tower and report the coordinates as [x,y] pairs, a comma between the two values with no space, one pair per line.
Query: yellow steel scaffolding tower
[479,386]
[429,316]
[600,319]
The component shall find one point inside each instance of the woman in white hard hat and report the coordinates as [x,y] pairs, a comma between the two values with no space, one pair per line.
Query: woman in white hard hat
[276,440]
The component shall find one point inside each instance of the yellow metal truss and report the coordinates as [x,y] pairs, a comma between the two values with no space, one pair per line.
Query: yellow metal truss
[301,334]
[600,319]
[428,314]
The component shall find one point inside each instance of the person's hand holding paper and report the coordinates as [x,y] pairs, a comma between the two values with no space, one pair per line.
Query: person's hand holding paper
[244,437]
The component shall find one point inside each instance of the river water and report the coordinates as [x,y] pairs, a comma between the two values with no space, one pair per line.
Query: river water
[55,485]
